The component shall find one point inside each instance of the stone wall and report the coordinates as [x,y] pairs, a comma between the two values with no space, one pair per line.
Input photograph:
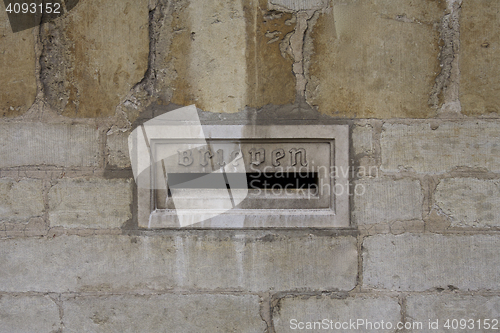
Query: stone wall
[417,81]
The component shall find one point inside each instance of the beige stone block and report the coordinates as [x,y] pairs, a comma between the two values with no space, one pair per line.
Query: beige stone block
[479,57]
[470,202]
[90,203]
[375,59]
[17,61]
[225,55]
[94,55]
[413,262]
[20,201]
[163,313]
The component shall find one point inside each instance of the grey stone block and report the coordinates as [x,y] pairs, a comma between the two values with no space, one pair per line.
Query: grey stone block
[470,202]
[412,262]
[20,201]
[473,144]
[387,200]
[90,203]
[63,145]
[28,314]
[443,307]
[330,311]
[117,145]
[258,263]
[163,313]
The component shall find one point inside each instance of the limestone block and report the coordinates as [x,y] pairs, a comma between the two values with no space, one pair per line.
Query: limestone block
[94,55]
[63,145]
[470,202]
[90,203]
[375,59]
[20,201]
[163,313]
[225,55]
[17,60]
[412,262]
[479,57]
[428,149]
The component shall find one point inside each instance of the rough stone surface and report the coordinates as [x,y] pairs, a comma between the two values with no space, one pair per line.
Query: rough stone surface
[474,144]
[118,153]
[224,56]
[20,201]
[23,144]
[362,140]
[28,314]
[479,57]
[107,263]
[314,309]
[296,5]
[163,313]
[412,262]
[469,201]
[94,55]
[442,307]
[91,203]
[375,59]
[17,60]
[387,200]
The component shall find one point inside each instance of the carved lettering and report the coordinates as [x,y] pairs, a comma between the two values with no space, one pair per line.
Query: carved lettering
[258,156]
[220,157]
[293,157]
[185,157]
[277,155]
[204,152]
[235,156]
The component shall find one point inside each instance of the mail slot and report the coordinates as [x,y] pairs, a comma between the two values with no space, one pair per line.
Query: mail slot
[241,176]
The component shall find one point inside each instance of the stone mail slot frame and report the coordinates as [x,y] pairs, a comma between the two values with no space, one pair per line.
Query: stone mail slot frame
[308,163]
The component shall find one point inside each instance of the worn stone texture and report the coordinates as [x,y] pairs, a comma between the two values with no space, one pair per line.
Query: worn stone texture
[225,55]
[386,200]
[118,153]
[195,260]
[479,57]
[474,144]
[470,202]
[90,203]
[17,60]
[375,59]
[163,313]
[23,144]
[446,306]
[296,5]
[412,262]
[94,55]
[28,314]
[362,139]
[314,309]
[20,201]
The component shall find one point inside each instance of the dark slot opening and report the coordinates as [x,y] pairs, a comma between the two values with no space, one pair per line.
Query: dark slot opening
[291,180]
